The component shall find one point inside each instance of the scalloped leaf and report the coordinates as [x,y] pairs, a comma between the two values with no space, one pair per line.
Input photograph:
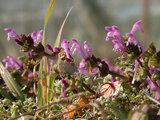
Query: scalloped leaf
[151,50]
[154,60]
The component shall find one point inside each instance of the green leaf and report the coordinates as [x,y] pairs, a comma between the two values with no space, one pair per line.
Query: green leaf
[5,94]
[154,60]
[146,54]
[51,85]
[39,88]
[58,39]
[11,83]
[156,75]
[57,42]
[51,5]
[40,100]
[151,50]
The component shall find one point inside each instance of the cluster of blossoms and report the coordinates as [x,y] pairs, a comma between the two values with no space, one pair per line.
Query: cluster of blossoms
[123,46]
[29,44]
[89,64]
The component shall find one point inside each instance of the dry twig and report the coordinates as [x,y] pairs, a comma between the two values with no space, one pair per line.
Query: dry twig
[59,101]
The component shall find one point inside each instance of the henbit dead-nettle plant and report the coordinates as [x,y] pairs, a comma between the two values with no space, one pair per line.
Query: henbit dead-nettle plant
[46,83]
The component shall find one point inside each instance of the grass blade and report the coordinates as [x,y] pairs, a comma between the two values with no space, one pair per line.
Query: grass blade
[46,78]
[39,88]
[51,85]
[51,5]
[11,83]
[58,39]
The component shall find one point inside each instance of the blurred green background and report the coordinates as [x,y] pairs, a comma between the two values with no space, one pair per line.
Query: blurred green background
[86,21]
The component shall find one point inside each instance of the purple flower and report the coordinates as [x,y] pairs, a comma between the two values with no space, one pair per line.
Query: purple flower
[111,67]
[151,84]
[114,32]
[49,47]
[132,38]
[64,83]
[11,33]
[65,46]
[11,62]
[87,49]
[157,95]
[77,48]
[82,68]
[56,49]
[113,79]
[110,33]
[118,47]
[30,54]
[154,88]
[63,91]
[95,70]
[37,36]
[136,27]
[31,74]
[33,35]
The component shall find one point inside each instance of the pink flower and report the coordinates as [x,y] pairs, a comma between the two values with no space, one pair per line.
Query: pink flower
[154,88]
[95,70]
[37,36]
[11,62]
[136,27]
[64,84]
[110,33]
[11,33]
[157,95]
[65,46]
[30,75]
[87,49]
[49,47]
[118,46]
[77,48]
[114,33]
[82,68]
[132,38]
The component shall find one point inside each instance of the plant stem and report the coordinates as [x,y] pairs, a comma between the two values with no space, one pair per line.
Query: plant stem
[87,88]
[118,75]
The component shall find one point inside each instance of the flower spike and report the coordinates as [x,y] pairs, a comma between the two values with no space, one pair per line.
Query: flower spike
[136,27]
[65,46]
[77,48]
[11,33]
[87,49]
